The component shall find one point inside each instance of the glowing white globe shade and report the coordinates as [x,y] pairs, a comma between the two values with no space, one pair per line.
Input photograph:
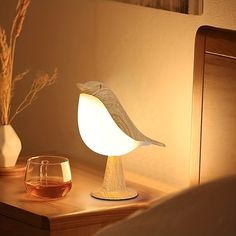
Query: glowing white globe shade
[99,131]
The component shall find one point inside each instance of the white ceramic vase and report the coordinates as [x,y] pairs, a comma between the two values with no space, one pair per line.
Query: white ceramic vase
[10,146]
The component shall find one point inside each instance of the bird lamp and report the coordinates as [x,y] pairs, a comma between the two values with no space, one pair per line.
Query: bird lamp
[106,129]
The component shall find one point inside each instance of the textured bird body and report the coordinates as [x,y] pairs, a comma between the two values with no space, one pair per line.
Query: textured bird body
[106,129]
[117,112]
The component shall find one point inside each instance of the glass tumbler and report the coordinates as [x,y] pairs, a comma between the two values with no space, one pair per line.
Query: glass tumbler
[48,177]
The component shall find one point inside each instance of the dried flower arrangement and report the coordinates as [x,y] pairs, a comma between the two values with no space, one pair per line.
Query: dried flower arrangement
[7,81]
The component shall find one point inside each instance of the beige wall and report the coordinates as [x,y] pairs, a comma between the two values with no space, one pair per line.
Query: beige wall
[145,55]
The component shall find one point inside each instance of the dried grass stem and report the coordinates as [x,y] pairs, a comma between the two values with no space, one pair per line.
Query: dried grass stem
[7,82]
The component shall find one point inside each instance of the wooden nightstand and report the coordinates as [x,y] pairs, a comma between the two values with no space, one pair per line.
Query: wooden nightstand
[77,214]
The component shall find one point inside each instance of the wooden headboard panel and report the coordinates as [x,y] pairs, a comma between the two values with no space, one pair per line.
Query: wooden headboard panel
[213,144]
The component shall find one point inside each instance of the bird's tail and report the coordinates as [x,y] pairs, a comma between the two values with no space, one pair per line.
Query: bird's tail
[149,141]
[158,143]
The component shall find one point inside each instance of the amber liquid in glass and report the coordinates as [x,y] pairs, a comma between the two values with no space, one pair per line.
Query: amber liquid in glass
[48,189]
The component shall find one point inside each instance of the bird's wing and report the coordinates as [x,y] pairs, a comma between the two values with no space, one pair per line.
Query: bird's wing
[119,115]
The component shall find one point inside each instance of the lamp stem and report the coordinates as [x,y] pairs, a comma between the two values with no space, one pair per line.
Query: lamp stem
[114,187]
[114,179]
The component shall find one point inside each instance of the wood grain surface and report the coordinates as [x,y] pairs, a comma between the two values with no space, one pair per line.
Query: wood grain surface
[77,211]
[196,130]
[214,116]
[114,186]
[219,118]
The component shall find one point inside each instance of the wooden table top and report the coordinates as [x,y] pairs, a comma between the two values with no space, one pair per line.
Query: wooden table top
[76,209]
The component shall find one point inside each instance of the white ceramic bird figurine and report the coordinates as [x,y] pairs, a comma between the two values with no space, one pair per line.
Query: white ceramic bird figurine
[106,129]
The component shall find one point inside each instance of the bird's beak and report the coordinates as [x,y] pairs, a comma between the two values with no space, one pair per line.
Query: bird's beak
[81,87]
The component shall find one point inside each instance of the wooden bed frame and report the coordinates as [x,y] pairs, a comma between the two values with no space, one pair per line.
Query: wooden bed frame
[213,141]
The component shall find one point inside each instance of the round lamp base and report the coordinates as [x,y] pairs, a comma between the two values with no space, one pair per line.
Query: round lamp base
[114,196]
